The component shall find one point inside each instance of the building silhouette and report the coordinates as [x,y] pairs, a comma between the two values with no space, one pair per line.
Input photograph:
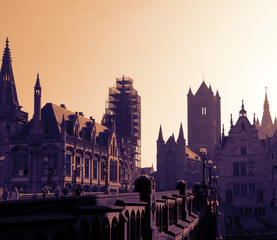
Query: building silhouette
[58,146]
[124,108]
[248,181]
[267,127]
[203,119]
[176,161]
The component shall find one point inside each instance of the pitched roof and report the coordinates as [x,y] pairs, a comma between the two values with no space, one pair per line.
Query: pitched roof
[52,116]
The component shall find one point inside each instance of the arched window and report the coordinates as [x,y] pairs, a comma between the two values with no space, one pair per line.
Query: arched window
[133,226]
[128,224]
[84,226]
[96,230]
[106,229]
[138,225]
[115,229]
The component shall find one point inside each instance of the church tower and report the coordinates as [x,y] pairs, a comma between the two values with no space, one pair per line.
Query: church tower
[267,127]
[204,119]
[11,116]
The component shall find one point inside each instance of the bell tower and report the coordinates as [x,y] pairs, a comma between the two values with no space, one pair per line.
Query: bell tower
[203,119]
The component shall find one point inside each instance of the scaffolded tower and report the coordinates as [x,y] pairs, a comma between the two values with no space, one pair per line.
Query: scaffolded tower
[124,107]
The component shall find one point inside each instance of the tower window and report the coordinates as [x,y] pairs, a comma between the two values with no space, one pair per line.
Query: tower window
[204,110]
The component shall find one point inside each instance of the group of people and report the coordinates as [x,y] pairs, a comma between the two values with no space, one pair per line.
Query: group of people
[47,191]
[5,195]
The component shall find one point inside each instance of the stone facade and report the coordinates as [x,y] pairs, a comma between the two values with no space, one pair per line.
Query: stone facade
[176,161]
[204,119]
[247,180]
[58,146]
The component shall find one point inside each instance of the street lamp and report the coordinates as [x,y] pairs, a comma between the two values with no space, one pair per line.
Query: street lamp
[210,162]
[203,152]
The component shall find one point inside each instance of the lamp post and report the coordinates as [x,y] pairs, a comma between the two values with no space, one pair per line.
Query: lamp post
[210,162]
[203,152]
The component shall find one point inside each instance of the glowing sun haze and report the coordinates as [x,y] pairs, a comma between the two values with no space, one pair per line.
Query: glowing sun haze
[80,47]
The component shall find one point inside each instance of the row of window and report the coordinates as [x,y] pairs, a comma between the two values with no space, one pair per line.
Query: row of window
[243,168]
[69,168]
[244,190]
[50,167]
[257,211]
[21,165]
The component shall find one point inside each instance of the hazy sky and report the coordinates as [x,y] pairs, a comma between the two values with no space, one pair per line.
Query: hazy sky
[80,47]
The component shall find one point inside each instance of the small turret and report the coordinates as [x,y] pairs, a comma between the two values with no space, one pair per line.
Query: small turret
[160,138]
[37,99]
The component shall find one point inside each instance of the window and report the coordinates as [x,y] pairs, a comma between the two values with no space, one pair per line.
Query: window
[235,169]
[103,170]
[20,165]
[94,169]
[244,189]
[229,196]
[236,189]
[50,164]
[113,170]
[243,151]
[204,110]
[260,195]
[77,166]
[274,173]
[86,168]
[251,168]
[243,170]
[68,165]
[251,189]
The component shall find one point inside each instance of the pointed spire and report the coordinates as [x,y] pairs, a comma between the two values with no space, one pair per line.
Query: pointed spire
[181,137]
[37,82]
[254,120]
[190,92]
[231,121]
[160,138]
[37,99]
[217,94]
[257,122]
[266,123]
[8,95]
[242,112]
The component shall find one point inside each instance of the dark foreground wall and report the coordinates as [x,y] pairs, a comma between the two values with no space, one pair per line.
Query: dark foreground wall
[140,215]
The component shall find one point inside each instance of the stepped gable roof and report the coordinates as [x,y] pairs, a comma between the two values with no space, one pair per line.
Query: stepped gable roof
[52,116]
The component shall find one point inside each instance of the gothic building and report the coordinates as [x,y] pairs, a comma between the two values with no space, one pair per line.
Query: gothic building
[124,107]
[266,128]
[176,161]
[247,179]
[203,119]
[58,146]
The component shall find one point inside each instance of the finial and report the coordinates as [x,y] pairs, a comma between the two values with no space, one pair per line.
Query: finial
[242,105]
[223,130]
[254,120]
[231,120]
[7,42]
[203,76]
[37,75]
[123,78]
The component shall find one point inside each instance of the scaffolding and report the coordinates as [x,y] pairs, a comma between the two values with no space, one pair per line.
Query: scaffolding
[124,107]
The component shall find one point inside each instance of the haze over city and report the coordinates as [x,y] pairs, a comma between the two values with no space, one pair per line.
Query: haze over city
[81,47]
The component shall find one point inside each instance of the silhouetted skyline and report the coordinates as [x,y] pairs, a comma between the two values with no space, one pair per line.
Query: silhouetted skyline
[79,48]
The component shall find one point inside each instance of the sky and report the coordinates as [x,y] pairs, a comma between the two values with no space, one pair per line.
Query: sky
[79,48]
